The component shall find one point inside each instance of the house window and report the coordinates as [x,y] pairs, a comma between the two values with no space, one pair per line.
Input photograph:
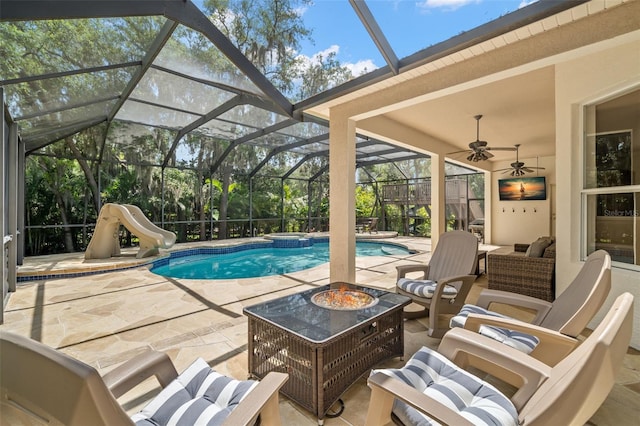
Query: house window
[611,190]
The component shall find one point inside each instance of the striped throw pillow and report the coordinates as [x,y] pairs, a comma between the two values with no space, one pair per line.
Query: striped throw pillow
[198,396]
[425,288]
[434,375]
[516,339]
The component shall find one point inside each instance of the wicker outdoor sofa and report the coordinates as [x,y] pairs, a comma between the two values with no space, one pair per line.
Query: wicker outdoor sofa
[522,274]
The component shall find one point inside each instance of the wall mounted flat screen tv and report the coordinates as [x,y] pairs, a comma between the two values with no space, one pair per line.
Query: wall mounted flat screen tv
[522,188]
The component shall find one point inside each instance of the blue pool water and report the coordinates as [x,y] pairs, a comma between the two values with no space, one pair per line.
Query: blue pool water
[262,262]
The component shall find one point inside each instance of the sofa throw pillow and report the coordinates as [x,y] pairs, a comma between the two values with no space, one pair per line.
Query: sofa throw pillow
[536,249]
[550,252]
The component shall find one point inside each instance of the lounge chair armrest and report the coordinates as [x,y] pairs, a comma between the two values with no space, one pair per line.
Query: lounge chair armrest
[444,306]
[261,401]
[403,270]
[463,289]
[553,346]
[125,377]
[488,296]
[468,349]
[384,389]
[463,278]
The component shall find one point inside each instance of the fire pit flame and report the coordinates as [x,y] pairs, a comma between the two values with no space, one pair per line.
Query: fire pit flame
[343,299]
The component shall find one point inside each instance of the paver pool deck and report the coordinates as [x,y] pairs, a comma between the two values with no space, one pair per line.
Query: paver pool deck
[107,318]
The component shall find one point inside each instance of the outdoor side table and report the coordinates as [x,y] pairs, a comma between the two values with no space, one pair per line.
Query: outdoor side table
[482,255]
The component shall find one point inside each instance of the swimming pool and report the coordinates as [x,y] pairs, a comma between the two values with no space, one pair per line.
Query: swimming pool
[260,261]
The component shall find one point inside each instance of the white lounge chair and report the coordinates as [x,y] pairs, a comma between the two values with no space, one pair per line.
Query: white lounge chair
[446,279]
[552,333]
[435,385]
[41,385]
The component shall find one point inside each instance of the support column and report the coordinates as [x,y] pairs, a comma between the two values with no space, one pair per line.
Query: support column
[282,206]
[162,201]
[309,195]
[438,218]
[3,271]
[12,205]
[211,207]
[342,210]
[21,211]
[488,207]
[251,233]
[3,197]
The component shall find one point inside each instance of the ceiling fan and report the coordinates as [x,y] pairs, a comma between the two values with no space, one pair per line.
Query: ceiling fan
[518,168]
[478,150]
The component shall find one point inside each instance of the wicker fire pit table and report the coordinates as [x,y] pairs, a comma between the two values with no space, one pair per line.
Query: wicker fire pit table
[325,345]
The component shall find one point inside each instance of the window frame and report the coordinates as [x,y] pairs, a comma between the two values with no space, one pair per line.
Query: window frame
[585,191]
[632,189]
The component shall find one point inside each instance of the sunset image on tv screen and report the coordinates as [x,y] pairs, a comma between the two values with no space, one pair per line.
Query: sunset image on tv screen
[520,189]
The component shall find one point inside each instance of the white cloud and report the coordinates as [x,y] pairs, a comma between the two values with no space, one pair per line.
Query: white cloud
[308,61]
[356,68]
[361,67]
[525,3]
[334,48]
[451,5]
[301,10]
[448,5]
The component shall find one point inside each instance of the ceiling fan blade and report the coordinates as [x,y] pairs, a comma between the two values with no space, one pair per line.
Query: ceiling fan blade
[499,148]
[479,149]
[527,169]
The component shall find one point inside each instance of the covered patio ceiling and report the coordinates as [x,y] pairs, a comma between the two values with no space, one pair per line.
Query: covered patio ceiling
[509,79]
[516,110]
[166,84]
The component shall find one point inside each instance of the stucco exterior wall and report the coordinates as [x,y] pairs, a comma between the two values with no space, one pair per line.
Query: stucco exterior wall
[583,80]
[522,221]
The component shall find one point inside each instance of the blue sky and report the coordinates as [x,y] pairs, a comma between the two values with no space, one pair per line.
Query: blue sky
[409,25]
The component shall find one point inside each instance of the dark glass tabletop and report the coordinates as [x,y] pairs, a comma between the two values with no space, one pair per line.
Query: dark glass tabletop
[296,313]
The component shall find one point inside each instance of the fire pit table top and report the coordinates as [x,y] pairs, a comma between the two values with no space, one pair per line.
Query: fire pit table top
[298,314]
